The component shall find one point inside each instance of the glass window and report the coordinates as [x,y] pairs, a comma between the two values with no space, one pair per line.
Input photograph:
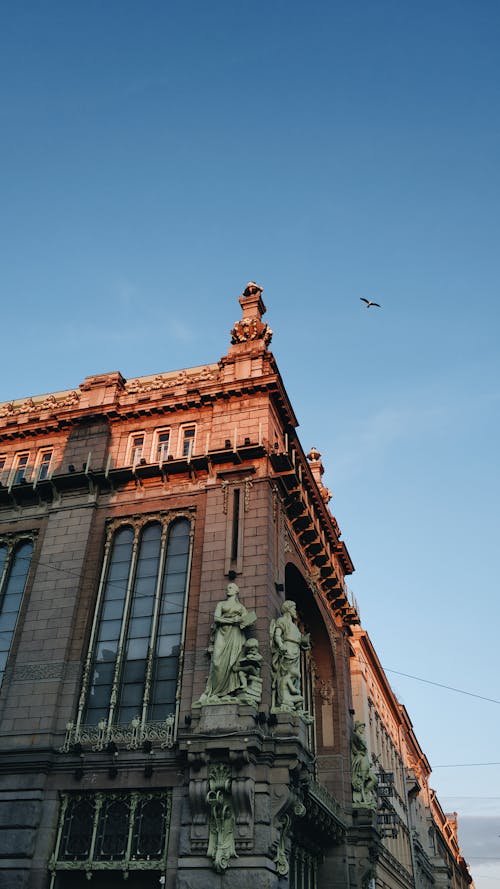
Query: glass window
[44,465]
[187,441]
[137,633]
[20,468]
[2,467]
[15,560]
[136,448]
[162,441]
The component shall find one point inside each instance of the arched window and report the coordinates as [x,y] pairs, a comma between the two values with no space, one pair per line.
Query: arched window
[133,664]
[15,560]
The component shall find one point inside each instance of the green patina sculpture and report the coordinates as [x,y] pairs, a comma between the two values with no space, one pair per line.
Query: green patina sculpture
[235,664]
[364,779]
[221,822]
[287,642]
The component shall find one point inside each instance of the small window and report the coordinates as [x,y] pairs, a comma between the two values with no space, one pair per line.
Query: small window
[44,465]
[161,446]
[136,448]
[20,468]
[3,460]
[187,440]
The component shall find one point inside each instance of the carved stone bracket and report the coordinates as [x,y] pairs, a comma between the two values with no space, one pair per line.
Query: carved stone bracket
[221,845]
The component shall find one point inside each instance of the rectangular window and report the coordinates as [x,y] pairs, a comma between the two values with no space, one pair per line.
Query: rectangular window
[161,445]
[20,468]
[131,676]
[136,447]
[187,440]
[44,465]
[112,834]
[2,467]
[15,560]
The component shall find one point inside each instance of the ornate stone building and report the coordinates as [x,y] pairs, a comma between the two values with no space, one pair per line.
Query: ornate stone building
[176,704]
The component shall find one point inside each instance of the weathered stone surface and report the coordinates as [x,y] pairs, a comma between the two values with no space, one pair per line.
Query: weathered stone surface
[17,843]
[13,879]
[21,813]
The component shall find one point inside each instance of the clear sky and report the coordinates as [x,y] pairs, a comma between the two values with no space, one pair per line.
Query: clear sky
[156,156]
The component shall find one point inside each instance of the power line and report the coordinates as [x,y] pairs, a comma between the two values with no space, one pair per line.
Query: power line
[460,691]
[465,765]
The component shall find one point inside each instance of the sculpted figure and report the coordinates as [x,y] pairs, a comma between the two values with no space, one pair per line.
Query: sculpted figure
[226,645]
[286,644]
[249,667]
[364,780]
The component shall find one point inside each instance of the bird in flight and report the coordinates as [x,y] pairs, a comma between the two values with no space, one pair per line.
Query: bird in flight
[369,302]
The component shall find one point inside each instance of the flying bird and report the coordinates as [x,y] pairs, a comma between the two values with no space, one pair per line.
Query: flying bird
[369,302]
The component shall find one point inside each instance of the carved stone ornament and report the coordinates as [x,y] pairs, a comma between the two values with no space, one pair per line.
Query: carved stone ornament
[364,779]
[221,821]
[251,329]
[29,406]
[294,809]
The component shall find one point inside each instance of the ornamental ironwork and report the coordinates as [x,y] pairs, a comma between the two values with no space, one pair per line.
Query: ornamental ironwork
[111,832]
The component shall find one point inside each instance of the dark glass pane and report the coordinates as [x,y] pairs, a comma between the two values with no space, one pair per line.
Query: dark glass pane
[142,606]
[3,660]
[95,715]
[134,671]
[22,558]
[120,570]
[178,544]
[126,715]
[159,712]
[167,646]
[106,651]
[139,627]
[145,586]
[99,696]
[175,583]
[166,668]
[123,537]
[165,691]
[137,648]
[171,624]
[176,564]
[132,695]
[16,583]
[112,833]
[5,641]
[3,557]
[149,829]
[173,602]
[150,548]
[77,829]
[109,629]
[11,602]
[103,673]
[112,609]
[8,621]
[147,567]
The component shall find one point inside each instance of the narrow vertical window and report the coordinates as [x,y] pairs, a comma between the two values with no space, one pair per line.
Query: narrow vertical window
[20,468]
[44,465]
[136,448]
[162,441]
[236,524]
[2,467]
[14,568]
[187,446]
[106,648]
[134,666]
[170,624]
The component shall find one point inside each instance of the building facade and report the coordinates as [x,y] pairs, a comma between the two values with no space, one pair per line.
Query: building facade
[177,706]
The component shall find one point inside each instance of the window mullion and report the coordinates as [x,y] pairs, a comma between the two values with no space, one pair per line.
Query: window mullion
[154,627]
[123,630]
[95,626]
[99,801]
[134,799]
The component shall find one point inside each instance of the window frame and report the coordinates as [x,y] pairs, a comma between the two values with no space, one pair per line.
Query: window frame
[132,448]
[13,479]
[156,448]
[141,726]
[40,463]
[13,542]
[182,441]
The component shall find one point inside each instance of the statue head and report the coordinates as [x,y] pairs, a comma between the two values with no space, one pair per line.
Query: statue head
[232,589]
[289,607]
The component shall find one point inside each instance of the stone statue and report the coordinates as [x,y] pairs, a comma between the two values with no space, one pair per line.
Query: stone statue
[364,779]
[249,667]
[227,679]
[287,642]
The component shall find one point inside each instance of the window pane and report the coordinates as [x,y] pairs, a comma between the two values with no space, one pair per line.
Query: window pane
[166,668]
[3,557]
[176,564]
[139,627]
[112,610]
[142,606]
[173,602]
[168,645]
[106,651]
[137,648]
[110,629]
[8,621]
[134,671]
[171,624]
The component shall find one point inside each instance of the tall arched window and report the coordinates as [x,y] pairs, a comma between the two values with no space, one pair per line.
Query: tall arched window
[133,664]
[15,560]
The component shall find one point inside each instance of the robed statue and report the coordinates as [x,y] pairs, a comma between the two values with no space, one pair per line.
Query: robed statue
[364,779]
[287,642]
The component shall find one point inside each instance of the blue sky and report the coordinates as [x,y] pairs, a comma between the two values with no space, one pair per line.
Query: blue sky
[156,156]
